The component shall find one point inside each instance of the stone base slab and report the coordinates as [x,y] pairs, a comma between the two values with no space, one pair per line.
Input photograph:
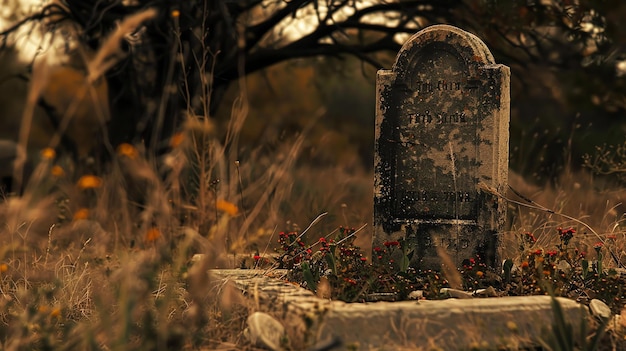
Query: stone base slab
[482,323]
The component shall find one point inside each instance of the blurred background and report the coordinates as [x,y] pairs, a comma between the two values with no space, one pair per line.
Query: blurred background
[302,75]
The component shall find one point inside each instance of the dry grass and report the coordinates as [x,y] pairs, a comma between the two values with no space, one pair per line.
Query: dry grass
[103,261]
[597,211]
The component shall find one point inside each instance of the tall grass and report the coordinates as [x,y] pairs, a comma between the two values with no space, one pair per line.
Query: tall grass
[104,261]
[595,209]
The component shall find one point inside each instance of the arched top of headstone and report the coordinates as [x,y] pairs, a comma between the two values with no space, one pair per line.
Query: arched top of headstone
[442,43]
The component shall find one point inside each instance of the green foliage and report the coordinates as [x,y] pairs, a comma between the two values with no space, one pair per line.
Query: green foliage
[507,267]
[563,337]
[309,279]
[405,260]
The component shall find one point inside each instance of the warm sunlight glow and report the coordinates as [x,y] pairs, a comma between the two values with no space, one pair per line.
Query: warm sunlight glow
[309,17]
[29,39]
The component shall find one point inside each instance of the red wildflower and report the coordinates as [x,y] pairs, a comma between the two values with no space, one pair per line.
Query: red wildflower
[350,281]
[566,234]
[530,237]
[363,259]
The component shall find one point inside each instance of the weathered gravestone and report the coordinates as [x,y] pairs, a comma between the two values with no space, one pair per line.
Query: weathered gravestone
[442,119]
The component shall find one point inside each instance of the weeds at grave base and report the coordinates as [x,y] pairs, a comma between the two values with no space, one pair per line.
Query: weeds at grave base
[565,270]
[335,268]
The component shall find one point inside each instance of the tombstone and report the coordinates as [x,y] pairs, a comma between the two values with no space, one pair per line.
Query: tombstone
[442,120]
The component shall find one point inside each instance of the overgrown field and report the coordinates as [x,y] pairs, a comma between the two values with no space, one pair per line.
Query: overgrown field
[96,253]
[103,261]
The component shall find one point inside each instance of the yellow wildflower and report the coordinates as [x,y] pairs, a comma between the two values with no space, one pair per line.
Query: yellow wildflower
[89,182]
[227,207]
[4,267]
[48,153]
[152,235]
[512,326]
[127,150]
[177,139]
[175,13]
[81,213]
[56,312]
[57,171]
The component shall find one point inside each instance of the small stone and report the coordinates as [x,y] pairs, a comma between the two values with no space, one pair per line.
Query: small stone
[564,266]
[599,309]
[197,258]
[264,331]
[455,293]
[488,292]
[416,295]
[512,326]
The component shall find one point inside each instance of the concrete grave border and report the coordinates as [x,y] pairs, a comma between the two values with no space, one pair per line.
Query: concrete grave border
[508,323]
